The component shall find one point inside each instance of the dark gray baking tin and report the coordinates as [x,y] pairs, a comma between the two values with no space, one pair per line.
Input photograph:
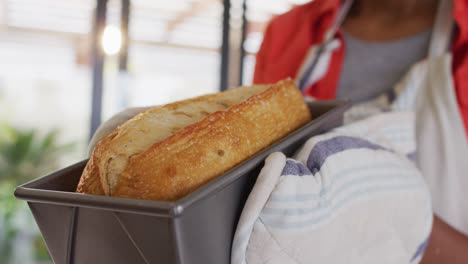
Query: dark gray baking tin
[198,228]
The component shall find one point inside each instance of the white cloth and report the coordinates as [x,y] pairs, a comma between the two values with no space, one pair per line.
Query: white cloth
[342,199]
[442,143]
[110,125]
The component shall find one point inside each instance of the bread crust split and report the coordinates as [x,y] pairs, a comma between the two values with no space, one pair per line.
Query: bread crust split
[169,151]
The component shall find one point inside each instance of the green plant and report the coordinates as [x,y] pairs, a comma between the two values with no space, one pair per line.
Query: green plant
[23,156]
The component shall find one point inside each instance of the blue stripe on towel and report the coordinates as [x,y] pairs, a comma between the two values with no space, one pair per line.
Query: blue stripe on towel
[281,222]
[412,156]
[420,250]
[289,210]
[368,168]
[322,150]
[295,168]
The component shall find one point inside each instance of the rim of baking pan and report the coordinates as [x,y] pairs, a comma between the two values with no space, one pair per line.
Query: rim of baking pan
[29,193]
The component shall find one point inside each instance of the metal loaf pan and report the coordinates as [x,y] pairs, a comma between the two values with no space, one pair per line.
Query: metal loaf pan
[197,229]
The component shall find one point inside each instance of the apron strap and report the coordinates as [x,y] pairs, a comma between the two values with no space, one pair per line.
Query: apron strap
[443,28]
[342,13]
[309,62]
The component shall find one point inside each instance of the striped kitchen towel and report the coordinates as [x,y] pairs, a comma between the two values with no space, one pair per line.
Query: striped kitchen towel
[352,195]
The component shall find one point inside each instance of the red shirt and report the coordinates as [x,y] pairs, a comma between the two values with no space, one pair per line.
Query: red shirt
[288,37]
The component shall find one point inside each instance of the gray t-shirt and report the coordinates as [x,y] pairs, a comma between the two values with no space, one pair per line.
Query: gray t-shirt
[373,68]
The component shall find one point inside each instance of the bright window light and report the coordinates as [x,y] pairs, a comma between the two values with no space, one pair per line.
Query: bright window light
[111,40]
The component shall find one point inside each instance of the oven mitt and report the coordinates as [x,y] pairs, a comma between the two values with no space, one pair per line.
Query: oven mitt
[352,195]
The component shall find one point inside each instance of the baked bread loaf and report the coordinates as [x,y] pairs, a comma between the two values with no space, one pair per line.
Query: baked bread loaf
[166,152]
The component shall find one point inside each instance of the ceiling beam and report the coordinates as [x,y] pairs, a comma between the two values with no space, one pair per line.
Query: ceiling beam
[3,13]
[195,9]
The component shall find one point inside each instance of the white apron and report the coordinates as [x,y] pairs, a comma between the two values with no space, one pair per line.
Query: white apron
[442,143]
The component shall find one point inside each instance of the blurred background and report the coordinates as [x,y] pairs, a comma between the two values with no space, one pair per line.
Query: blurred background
[65,66]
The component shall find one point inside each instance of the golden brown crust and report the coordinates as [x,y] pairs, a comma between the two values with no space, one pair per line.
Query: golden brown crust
[193,155]
[200,152]
[90,182]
